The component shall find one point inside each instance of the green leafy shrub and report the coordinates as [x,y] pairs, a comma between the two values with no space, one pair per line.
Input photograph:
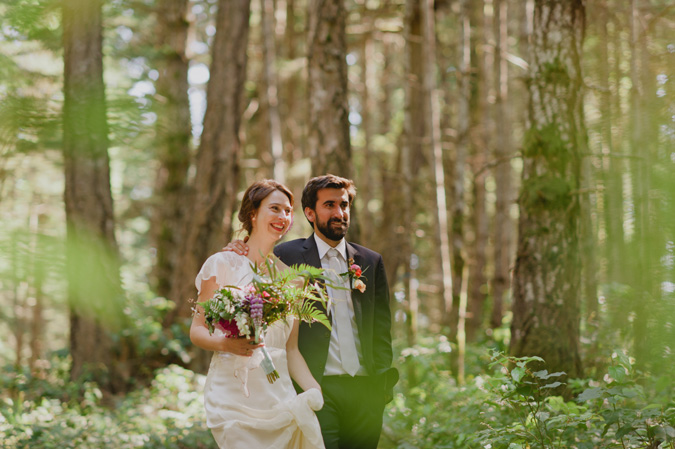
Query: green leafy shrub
[507,404]
[613,413]
[167,414]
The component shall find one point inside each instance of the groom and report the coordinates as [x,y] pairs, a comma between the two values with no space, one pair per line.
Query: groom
[353,361]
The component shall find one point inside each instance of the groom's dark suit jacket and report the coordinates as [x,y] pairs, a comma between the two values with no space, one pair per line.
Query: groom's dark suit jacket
[373,315]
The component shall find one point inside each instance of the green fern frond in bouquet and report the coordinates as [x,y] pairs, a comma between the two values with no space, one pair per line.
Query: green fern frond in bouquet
[272,295]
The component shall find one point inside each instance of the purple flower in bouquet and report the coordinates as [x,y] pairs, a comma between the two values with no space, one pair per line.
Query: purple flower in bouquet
[274,296]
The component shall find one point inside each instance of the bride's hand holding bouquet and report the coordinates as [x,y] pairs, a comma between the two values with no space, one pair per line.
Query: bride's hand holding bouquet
[244,314]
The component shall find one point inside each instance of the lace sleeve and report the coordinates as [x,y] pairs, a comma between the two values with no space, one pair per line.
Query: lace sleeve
[224,266]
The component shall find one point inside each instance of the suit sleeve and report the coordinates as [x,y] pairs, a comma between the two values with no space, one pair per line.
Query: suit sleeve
[382,348]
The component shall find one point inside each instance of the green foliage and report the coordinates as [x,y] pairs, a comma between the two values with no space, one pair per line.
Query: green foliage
[511,407]
[555,72]
[435,412]
[616,413]
[547,192]
[516,406]
[167,414]
[552,186]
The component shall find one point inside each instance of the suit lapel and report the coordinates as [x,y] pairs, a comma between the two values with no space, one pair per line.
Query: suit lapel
[310,256]
[310,253]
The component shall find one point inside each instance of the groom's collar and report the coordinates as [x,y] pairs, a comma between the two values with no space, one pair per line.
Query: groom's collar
[323,247]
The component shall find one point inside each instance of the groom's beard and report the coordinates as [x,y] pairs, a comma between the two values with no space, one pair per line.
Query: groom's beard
[335,229]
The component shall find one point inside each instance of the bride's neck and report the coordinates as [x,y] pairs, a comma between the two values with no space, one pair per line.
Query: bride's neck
[259,248]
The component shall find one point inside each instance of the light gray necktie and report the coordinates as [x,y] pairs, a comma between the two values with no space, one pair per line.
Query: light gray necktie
[348,354]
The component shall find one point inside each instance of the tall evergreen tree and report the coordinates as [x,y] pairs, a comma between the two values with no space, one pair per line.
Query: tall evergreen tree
[95,294]
[173,131]
[213,196]
[546,309]
[328,109]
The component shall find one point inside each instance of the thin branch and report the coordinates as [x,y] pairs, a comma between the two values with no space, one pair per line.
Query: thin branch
[494,163]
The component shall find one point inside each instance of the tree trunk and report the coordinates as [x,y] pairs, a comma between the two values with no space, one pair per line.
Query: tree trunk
[480,138]
[433,135]
[546,278]
[292,89]
[503,148]
[18,306]
[328,139]
[459,168]
[173,133]
[214,195]
[94,290]
[410,147]
[39,273]
[369,115]
[613,167]
[270,97]
[640,141]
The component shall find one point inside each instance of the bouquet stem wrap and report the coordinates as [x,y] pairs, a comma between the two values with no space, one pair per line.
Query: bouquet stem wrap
[268,366]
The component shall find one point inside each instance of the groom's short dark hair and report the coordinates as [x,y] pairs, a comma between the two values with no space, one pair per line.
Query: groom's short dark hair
[311,190]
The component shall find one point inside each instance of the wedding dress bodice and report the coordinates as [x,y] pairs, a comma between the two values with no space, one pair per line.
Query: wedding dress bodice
[243,409]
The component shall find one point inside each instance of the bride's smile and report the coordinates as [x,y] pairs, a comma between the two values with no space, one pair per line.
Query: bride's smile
[275,215]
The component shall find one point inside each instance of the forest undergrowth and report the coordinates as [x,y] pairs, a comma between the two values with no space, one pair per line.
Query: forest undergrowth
[504,403]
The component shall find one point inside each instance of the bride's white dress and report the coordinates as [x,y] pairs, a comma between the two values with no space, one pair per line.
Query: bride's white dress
[243,410]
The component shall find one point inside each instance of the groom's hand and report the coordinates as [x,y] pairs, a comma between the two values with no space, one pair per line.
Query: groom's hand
[238,246]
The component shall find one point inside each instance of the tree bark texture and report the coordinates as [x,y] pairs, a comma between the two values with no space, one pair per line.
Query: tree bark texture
[480,139]
[644,276]
[433,137]
[411,145]
[94,291]
[213,199]
[174,130]
[458,203]
[369,110]
[546,309]
[612,167]
[328,138]
[271,97]
[503,224]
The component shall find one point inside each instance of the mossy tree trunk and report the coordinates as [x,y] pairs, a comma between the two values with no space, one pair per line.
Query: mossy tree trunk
[270,96]
[213,198]
[94,289]
[174,130]
[411,146]
[481,141]
[503,148]
[546,285]
[328,109]
[328,104]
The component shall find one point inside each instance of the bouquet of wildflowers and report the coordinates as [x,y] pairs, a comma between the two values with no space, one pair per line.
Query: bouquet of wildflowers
[271,296]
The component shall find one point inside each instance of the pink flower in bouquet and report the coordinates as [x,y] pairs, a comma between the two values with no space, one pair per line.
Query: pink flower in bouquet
[229,327]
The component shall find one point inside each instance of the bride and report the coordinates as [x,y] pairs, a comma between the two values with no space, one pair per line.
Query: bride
[243,410]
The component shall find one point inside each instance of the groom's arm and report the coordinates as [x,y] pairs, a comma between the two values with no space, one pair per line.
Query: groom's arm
[382,348]
[288,253]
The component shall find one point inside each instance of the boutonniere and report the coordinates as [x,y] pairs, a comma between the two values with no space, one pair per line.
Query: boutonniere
[355,274]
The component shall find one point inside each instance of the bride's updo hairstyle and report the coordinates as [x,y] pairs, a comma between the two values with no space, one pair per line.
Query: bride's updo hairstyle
[254,195]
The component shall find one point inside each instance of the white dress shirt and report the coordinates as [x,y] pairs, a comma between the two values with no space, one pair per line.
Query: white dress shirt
[333,362]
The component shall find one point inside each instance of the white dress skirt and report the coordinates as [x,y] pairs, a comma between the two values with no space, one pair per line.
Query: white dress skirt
[243,410]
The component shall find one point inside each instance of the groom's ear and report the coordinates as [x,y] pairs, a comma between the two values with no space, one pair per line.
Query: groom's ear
[310,215]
